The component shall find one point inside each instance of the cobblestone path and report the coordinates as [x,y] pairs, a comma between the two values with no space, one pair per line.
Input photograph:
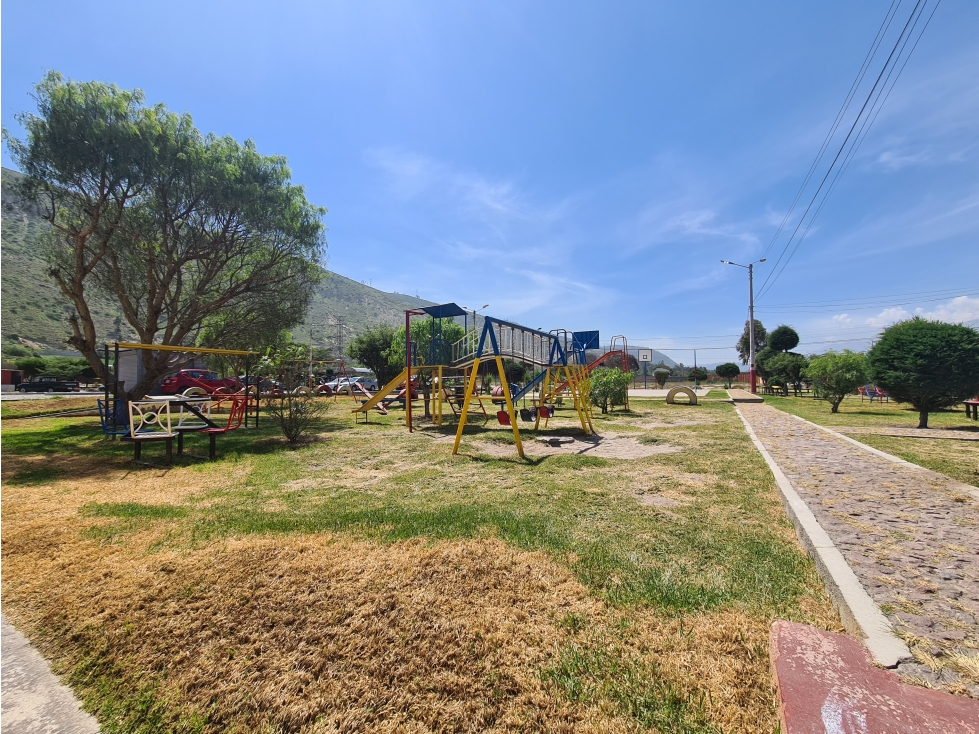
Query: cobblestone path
[911,537]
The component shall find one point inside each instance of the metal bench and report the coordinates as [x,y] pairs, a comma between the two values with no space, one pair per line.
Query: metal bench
[149,420]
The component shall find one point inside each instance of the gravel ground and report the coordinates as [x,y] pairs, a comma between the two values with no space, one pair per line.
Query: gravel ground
[910,536]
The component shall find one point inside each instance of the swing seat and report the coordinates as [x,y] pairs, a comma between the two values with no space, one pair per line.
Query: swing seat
[544,411]
[526,415]
[503,417]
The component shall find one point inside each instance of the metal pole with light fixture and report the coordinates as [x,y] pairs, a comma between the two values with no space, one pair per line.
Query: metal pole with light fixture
[751,319]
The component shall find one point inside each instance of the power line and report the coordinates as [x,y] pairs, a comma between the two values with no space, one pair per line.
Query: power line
[864,130]
[879,84]
[842,302]
[884,26]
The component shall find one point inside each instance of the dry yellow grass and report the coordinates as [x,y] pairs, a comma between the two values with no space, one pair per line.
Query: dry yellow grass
[323,632]
[307,634]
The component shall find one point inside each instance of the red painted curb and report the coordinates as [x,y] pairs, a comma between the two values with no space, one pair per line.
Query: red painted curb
[827,685]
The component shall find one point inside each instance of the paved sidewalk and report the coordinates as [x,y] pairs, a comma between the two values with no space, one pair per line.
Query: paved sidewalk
[911,537]
[34,701]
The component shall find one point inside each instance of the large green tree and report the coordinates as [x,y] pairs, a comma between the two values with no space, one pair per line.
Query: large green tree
[192,235]
[929,364]
[788,368]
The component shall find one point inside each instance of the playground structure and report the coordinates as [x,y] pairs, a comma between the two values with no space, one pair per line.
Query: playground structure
[681,390]
[558,357]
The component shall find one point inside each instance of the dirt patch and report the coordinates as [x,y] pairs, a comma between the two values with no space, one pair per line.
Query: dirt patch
[608,446]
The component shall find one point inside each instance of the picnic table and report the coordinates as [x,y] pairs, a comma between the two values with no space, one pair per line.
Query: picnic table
[972,409]
[152,419]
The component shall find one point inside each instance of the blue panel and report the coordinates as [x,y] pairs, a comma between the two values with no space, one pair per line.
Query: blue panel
[585,340]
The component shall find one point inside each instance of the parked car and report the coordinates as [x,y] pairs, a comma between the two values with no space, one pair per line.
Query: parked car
[195,381]
[49,383]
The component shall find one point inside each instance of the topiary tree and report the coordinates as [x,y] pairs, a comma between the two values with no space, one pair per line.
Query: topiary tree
[930,364]
[837,374]
[610,387]
[728,371]
[660,374]
[783,339]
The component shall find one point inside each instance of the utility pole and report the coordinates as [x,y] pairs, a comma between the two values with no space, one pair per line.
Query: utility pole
[751,319]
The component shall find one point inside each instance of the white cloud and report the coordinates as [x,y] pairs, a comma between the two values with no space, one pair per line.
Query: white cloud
[888,316]
[958,310]
[892,160]
[683,221]
[842,318]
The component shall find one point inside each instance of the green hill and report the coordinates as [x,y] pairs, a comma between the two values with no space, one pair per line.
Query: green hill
[33,312]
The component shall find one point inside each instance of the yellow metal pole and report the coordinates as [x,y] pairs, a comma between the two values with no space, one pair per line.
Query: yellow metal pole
[509,406]
[465,405]
[575,386]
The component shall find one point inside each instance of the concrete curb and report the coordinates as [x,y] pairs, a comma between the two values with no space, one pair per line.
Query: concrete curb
[860,615]
[967,488]
[34,700]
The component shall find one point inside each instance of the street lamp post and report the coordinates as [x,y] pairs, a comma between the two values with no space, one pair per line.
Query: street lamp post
[751,320]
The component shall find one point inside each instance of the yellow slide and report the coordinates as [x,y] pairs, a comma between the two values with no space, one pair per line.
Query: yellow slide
[383,392]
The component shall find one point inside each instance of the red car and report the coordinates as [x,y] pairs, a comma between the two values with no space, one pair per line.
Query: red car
[198,380]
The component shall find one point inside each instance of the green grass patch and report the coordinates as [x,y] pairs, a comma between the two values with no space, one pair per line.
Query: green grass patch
[133,510]
[854,412]
[596,673]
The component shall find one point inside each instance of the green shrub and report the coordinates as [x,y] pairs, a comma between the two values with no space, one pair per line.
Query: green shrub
[610,387]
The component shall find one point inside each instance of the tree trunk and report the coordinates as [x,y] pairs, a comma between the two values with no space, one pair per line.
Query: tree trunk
[922,419]
[836,405]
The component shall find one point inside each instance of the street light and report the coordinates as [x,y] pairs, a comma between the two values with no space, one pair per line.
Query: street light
[751,319]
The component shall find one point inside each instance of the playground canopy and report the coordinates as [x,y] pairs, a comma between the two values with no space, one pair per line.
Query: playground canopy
[445,311]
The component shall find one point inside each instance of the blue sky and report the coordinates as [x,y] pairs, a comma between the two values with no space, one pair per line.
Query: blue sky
[577,165]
